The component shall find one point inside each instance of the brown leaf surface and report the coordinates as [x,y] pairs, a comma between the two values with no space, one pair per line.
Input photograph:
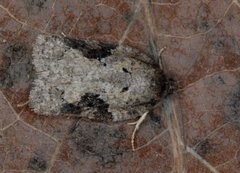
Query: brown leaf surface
[196,130]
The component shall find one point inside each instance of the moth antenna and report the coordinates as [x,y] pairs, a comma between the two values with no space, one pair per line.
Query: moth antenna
[160,57]
[137,125]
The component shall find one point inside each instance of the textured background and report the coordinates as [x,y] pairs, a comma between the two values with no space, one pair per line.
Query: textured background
[202,40]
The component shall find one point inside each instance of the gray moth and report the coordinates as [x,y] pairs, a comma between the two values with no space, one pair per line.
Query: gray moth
[92,79]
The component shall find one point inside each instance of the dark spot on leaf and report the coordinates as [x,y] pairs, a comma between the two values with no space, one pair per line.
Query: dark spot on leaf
[203,25]
[18,68]
[128,16]
[37,163]
[203,18]
[204,148]
[230,17]
[35,6]
[100,141]
[220,80]
[232,106]
[5,63]
[224,44]
[219,44]
[91,50]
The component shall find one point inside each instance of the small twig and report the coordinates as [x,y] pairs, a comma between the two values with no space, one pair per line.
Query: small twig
[137,125]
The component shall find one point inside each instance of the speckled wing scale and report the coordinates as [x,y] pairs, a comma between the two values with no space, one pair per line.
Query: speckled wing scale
[91,79]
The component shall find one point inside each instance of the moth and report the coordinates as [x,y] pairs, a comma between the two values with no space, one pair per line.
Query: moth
[92,79]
